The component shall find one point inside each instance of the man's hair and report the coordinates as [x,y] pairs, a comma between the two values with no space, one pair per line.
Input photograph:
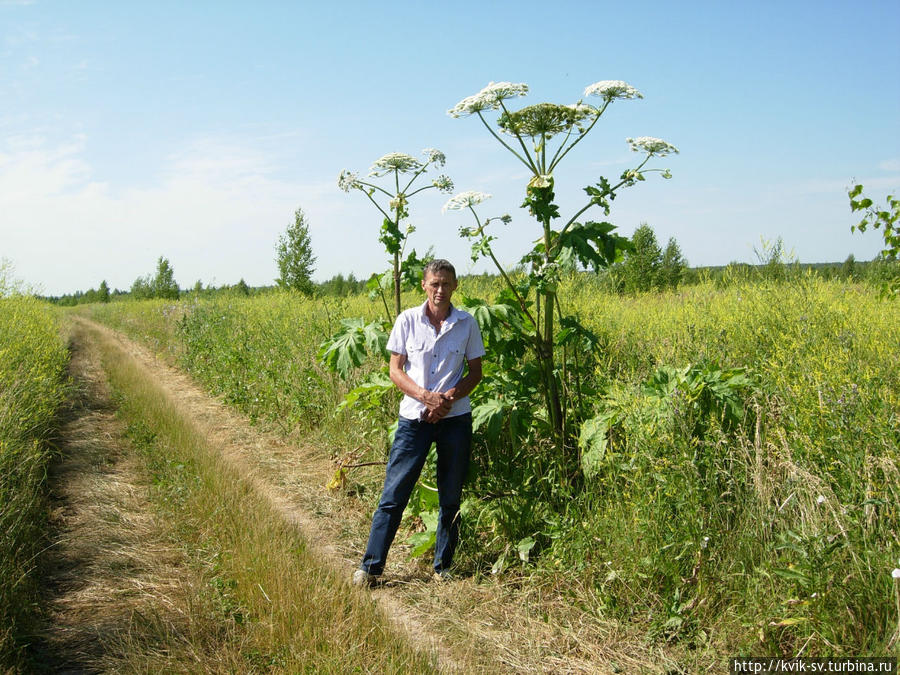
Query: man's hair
[438,265]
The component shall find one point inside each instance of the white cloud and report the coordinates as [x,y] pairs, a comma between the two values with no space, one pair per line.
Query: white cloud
[890,165]
[216,207]
[215,213]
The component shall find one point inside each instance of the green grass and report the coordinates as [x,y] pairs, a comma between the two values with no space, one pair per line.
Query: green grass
[265,602]
[776,535]
[800,503]
[32,388]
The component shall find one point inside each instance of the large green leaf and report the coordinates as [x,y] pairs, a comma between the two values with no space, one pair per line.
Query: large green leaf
[573,332]
[489,415]
[592,244]
[594,443]
[347,348]
[380,283]
[370,392]
[422,542]
[492,319]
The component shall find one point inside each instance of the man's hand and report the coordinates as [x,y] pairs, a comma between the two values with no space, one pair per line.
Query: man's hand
[462,389]
[437,405]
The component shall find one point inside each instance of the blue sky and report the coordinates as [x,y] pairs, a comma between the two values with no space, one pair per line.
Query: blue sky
[130,130]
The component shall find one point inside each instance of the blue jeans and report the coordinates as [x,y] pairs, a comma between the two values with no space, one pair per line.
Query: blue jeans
[453,436]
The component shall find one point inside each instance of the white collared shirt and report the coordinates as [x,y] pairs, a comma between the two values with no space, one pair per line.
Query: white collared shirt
[435,360]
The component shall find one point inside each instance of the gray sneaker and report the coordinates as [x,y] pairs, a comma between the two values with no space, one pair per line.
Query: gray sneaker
[363,578]
[442,576]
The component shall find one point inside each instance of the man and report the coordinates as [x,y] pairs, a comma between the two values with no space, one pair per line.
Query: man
[430,347]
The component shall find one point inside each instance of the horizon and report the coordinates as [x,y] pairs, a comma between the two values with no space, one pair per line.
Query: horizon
[194,132]
[351,277]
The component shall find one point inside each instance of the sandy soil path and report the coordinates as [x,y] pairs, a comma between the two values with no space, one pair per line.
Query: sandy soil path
[107,566]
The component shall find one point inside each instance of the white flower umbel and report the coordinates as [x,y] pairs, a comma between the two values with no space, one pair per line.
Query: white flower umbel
[820,499]
[610,89]
[651,145]
[347,180]
[435,156]
[443,183]
[896,573]
[488,98]
[464,200]
[395,161]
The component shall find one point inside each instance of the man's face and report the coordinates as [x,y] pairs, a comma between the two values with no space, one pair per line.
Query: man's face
[439,287]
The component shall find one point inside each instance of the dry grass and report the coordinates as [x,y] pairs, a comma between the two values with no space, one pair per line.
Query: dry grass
[472,625]
[110,573]
[261,599]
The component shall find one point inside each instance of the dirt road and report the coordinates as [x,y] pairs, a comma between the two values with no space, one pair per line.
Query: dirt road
[107,558]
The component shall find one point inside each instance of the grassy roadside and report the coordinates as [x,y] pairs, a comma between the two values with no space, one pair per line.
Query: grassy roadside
[32,388]
[262,601]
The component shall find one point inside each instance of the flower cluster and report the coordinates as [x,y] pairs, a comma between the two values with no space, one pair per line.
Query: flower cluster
[488,98]
[654,146]
[610,89]
[348,180]
[464,200]
[434,156]
[545,119]
[443,183]
[395,161]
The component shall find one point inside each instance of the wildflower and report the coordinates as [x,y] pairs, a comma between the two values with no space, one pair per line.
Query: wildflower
[443,183]
[347,180]
[655,146]
[582,112]
[395,161]
[705,542]
[610,89]
[544,119]
[820,499]
[896,573]
[488,98]
[435,156]
[464,200]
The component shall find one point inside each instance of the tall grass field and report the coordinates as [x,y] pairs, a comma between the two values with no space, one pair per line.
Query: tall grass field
[32,388]
[740,482]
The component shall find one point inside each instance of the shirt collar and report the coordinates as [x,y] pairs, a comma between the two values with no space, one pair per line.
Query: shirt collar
[452,316]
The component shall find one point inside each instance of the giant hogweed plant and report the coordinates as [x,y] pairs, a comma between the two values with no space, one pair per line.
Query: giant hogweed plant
[396,174]
[392,201]
[529,311]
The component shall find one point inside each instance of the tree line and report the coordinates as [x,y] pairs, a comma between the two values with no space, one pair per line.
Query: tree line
[645,267]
